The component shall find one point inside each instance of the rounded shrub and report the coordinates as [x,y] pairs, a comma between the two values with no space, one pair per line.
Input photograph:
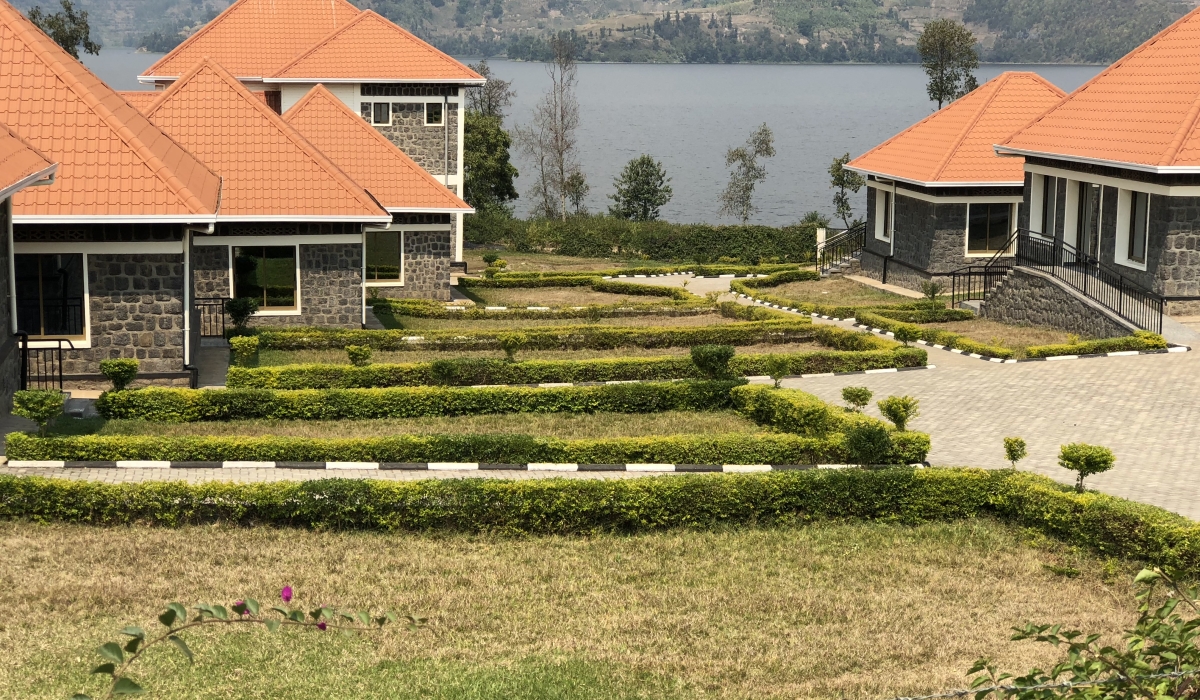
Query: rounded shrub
[713,360]
[1085,460]
[868,443]
[240,310]
[41,407]
[360,355]
[245,349]
[120,372]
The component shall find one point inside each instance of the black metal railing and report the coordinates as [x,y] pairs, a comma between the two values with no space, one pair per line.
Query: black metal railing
[1096,280]
[842,247]
[42,366]
[977,282]
[212,317]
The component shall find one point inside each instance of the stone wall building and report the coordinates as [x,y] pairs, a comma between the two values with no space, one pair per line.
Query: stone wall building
[938,198]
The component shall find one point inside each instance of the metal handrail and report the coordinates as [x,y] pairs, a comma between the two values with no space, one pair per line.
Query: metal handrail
[212,323]
[1094,279]
[976,282]
[46,365]
[842,247]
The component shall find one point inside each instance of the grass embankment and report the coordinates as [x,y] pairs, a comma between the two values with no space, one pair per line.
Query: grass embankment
[545,262]
[555,296]
[825,611]
[836,291]
[565,426]
[648,320]
[1016,338]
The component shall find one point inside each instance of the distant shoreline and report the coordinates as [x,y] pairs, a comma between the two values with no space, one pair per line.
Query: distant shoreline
[761,63]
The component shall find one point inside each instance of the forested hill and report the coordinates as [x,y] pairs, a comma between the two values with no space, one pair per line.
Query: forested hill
[711,31]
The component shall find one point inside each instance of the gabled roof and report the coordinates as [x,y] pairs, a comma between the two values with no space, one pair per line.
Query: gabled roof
[254,38]
[269,171]
[141,99]
[370,48]
[1141,112]
[367,156]
[113,161]
[953,146]
[21,165]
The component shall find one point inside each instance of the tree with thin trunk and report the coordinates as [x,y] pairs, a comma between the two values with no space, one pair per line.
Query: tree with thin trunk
[549,141]
[948,55]
[738,198]
[69,29]
[844,181]
[492,97]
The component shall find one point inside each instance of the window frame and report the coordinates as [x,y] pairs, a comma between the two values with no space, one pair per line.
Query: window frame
[1012,221]
[79,341]
[1126,210]
[375,108]
[442,120]
[269,310]
[378,282]
[1043,204]
[884,206]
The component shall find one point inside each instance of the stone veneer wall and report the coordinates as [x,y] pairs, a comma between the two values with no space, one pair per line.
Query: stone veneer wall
[10,357]
[427,145]
[1177,264]
[1029,298]
[427,256]
[136,308]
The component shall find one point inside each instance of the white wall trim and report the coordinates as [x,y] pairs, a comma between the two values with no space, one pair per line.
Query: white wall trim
[315,239]
[103,248]
[983,199]
[1126,165]
[1121,244]
[921,183]
[51,341]
[389,81]
[115,219]
[1119,183]
[292,244]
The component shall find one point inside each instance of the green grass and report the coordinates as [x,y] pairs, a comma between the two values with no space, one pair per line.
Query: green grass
[564,426]
[860,610]
[835,291]
[544,262]
[656,320]
[557,296]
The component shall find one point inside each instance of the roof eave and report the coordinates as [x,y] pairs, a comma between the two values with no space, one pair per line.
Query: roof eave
[932,185]
[422,81]
[112,219]
[1125,165]
[45,176]
[363,219]
[431,210]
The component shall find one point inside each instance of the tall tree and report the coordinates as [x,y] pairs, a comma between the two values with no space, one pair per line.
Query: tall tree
[642,189]
[492,97]
[577,190]
[488,179]
[550,139]
[948,56]
[844,181]
[69,29]
[738,198]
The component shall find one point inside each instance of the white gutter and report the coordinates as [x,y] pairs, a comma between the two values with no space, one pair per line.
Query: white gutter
[386,81]
[940,183]
[428,210]
[1124,165]
[42,177]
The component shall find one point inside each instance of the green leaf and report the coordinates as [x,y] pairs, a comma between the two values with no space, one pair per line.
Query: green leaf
[104,668]
[112,652]
[167,617]
[132,645]
[180,612]
[81,696]
[252,606]
[282,611]
[182,646]
[1147,575]
[134,632]
[124,686]
[272,625]
[296,615]
[220,612]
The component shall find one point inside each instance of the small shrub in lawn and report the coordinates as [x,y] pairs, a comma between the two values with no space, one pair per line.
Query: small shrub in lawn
[120,372]
[245,349]
[778,367]
[360,355]
[41,407]
[1085,460]
[907,334]
[1014,450]
[899,410]
[500,263]
[932,290]
[856,397]
[712,360]
[512,343]
[490,257]
[868,443]
[240,310]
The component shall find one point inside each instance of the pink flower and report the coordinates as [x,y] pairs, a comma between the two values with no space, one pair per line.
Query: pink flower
[241,603]
[321,625]
[286,594]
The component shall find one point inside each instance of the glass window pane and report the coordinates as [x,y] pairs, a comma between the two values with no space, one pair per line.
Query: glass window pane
[998,231]
[383,255]
[977,228]
[1139,203]
[433,113]
[266,274]
[50,294]
[383,113]
[1049,201]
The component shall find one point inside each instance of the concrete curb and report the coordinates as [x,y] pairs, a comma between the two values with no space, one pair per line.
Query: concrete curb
[426,466]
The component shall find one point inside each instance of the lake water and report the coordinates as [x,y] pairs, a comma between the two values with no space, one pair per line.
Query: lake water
[687,116]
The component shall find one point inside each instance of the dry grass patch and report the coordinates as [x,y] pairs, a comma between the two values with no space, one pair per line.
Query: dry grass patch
[339,357]
[641,321]
[835,291]
[1002,334]
[825,611]
[557,296]
[564,426]
[543,262]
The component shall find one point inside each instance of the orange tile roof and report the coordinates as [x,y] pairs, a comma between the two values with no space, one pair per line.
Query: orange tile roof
[367,156]
[953,146]
[113,161]
[21,165]
[140,98]
[369,47]
[254,38]
[1142,111]
[267,168]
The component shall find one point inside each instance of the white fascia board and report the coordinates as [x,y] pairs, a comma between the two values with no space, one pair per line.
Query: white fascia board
[1125,165]
[156,78]
[114,219]
[427,210]
[301,219]
[409,227]
[931,185]
[42,177]
[417,81]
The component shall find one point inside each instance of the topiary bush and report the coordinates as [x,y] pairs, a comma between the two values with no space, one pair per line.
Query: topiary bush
[245,349]
[856,397]
[1015,450]
[512,343]
[120,372]
[240,310]
[1085,460]
[868,443]
[360,355]
[900,410]
[41,407]
[712,360]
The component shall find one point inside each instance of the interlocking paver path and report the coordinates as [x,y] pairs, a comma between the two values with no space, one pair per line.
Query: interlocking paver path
[1146,408]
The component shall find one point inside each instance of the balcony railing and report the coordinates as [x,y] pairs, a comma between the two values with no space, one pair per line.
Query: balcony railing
[41,367]
[212,316]
[842,247]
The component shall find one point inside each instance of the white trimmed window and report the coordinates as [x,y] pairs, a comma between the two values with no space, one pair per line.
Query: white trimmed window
[51,294]
[1133,228]
[385,257]
[1043,204]
[989,227]
[269,275]
[433,114]
[883,215]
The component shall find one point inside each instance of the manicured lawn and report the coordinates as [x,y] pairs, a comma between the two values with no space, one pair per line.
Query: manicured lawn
[825,611]
[1015,337]
[641,321]
[334,356]
[835,291]
[565,426]
[558,296]
[542,262]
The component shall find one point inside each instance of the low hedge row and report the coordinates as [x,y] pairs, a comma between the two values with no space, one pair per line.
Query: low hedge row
[1140,340]
[592,337]
[468,371]
[731,448]
[791,411]
[1104,524]
[424,308]
[191,405]
[578,280]
[907,312]
[698,269]
[936,336]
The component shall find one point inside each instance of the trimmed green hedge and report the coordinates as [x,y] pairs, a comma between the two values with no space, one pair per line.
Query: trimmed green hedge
[732,448]
[695,268]
[468,371]
[424,308]
[190,405]
[935,336]
[1140,340]
[1103,524]
[789,410]
[583,280]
